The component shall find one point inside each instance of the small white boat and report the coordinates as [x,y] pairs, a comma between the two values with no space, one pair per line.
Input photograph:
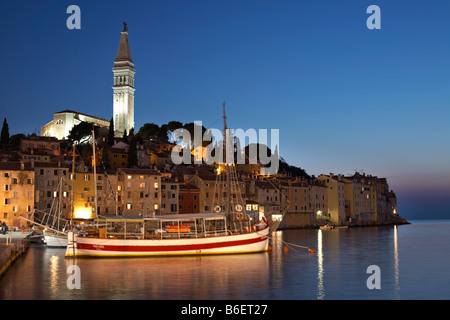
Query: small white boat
[327,227]
[55,240]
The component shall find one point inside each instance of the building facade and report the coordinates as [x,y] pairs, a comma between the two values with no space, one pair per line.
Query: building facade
[16,193]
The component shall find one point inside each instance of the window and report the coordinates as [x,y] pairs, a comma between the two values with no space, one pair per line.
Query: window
[156,185]
[7,188]
[14,181]
[7,201]
[142,185]
[128,206]
[6,175]
[28,208]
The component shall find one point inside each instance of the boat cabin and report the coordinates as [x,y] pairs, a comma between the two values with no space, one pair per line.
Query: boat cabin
[175,226]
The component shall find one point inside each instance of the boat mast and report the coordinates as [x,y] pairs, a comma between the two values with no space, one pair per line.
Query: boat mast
[227,165]
[95,172]
[73,185]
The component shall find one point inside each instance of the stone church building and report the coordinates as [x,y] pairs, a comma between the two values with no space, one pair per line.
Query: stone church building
[123,100]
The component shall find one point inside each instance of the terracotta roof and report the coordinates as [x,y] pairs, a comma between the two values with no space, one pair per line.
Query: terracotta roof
[140,171]
[15,166]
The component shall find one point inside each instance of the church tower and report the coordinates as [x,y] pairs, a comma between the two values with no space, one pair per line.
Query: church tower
[123,90]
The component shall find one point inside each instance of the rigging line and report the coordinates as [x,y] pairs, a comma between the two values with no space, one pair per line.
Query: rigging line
[281,193]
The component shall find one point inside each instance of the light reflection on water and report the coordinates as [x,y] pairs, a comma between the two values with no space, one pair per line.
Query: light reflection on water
[413,259]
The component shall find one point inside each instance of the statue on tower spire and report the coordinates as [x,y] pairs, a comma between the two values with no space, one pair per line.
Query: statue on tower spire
[125,27]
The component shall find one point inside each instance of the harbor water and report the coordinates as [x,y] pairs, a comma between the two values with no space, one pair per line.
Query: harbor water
[412,260]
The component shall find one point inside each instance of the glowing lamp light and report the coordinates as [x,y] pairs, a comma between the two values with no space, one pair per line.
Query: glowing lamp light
[82,213]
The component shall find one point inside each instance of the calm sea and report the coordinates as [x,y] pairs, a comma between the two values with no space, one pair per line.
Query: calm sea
[413,262]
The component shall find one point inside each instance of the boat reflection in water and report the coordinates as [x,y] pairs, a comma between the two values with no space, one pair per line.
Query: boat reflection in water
[244,276]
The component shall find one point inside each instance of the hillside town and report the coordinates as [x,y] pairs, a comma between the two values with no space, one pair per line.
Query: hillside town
[37,177]
[135,174]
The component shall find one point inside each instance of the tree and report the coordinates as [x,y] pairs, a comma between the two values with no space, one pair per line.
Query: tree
[162,133]
[4,137]
[111,132]
[82,132]
[125,136]
[132,153]
[149,131]
[14,141]
[105,156]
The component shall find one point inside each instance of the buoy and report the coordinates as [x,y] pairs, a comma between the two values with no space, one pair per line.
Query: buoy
[285,249]
[312,251]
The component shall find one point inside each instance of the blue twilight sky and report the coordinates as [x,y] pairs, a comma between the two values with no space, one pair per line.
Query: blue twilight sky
[344,97]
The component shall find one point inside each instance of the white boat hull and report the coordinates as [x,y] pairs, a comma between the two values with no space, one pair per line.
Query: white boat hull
[55,240]
[231,244]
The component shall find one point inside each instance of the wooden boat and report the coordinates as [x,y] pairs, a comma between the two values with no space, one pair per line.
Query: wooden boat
[182,234]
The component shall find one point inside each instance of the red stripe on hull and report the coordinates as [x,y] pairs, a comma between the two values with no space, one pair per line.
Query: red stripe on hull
[166,248]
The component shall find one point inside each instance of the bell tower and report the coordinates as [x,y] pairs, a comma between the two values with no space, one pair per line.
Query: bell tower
[123,90]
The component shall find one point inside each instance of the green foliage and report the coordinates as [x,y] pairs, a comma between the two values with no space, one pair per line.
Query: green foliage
[111,132]
[4,137]
[81,133]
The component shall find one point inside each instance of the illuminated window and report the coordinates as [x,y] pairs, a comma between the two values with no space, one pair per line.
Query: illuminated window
[156,185]
[142,185]
[128,206]
[129,177]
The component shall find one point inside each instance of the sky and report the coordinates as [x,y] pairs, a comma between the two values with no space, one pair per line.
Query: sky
[344,98]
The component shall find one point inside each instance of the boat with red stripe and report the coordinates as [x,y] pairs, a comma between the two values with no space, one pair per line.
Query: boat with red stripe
[182,234]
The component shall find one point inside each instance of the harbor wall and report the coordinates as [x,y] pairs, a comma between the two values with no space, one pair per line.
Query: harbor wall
[297,221]
[9,253]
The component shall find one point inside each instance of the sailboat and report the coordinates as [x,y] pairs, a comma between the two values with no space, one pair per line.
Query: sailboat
[226,231]
[52,223]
